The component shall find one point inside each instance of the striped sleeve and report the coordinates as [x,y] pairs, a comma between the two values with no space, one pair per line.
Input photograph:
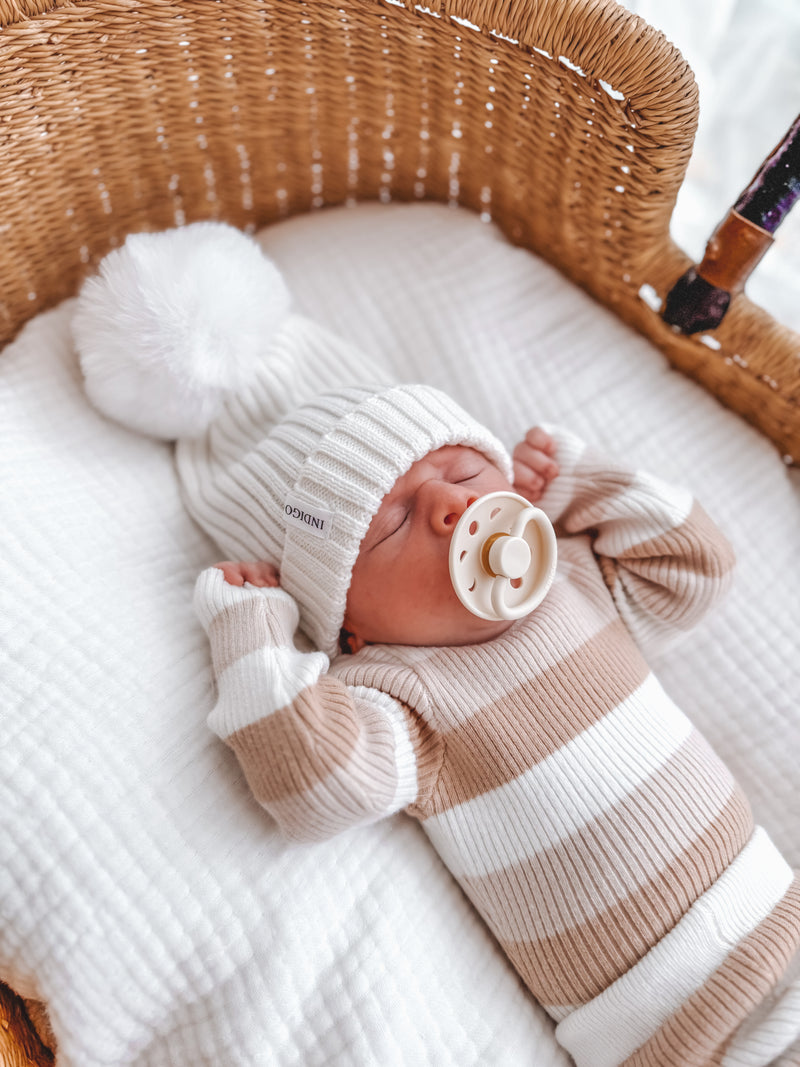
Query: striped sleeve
[319,755]
[663,559]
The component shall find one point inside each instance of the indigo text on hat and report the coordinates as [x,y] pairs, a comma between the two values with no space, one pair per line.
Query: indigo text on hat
[306,517]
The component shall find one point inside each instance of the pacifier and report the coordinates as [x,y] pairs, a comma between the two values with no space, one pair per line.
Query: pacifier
[502,556]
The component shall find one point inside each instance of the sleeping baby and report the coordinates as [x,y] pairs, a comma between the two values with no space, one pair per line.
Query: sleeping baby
[604,843]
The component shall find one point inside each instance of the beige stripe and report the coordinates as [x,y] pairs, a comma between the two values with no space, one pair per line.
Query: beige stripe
[676,575]
[502,740]
[439,682]
[608,932]
[327,749]
[773,1028]
[638,1004]
[299,745]
[383,667]
[697,542]
[700,1032]
[791,1058]
[590,505]
[243,628]
[574,612]
[631,846]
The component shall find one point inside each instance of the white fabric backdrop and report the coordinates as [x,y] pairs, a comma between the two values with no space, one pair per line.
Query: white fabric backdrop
[746,58]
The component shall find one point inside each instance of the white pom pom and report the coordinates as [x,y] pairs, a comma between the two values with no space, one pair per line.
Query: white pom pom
[174,323]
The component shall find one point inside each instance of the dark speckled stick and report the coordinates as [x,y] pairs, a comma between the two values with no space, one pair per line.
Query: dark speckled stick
[702,296]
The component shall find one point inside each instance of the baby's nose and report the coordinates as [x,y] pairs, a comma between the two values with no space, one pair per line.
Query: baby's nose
[450,504]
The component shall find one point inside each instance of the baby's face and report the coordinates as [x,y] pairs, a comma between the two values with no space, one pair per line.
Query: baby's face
[400,592]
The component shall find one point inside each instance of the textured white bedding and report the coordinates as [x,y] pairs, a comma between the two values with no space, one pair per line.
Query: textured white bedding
[143,895]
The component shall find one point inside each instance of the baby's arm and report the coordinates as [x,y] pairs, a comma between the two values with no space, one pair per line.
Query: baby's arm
[318,755]
[663,559]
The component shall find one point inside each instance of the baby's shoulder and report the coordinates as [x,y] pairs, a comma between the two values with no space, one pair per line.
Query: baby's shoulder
[391,669]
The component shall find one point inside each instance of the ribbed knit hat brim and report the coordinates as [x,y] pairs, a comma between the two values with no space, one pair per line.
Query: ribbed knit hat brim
[347,476]
[303,496]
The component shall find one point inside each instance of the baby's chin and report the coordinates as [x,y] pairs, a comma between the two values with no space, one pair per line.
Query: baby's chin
[482,630]
[454,633]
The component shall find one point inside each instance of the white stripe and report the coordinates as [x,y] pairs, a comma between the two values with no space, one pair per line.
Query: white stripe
[260,683]
[566,791]
[352,794]
[648,508]
[567,611]
[609,1029]
[405,757]
[560,493]
[604,871]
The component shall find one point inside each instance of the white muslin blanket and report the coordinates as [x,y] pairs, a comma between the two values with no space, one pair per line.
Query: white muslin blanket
[143,894]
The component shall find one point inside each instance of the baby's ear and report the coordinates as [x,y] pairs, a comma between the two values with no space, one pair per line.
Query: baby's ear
[350,643]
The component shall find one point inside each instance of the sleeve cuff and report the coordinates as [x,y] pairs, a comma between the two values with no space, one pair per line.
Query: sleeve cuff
[213,595]
[570,450]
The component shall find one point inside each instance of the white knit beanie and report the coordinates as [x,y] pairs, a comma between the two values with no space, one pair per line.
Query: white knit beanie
[280,461]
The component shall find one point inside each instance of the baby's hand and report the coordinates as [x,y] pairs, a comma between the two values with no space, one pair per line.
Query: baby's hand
[256,572]
[534,466]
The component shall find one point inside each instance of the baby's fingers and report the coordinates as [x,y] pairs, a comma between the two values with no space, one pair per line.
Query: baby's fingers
[529,456]
[534,467]
[231,572]
[256,572]
[541,440]
[527,482]
[260,573]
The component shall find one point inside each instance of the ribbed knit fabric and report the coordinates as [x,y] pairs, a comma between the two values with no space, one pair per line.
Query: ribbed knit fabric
[293,471]
[605,844]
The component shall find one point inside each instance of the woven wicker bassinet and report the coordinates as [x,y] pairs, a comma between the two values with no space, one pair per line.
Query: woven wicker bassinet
[568,122]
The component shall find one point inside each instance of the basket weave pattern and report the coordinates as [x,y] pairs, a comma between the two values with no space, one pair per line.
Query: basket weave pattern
[568,122]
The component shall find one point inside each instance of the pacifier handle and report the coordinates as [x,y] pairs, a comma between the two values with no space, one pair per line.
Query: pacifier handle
[502,556]
[510,560]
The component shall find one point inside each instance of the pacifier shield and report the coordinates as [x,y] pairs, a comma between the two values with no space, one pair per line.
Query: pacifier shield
[502,556]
